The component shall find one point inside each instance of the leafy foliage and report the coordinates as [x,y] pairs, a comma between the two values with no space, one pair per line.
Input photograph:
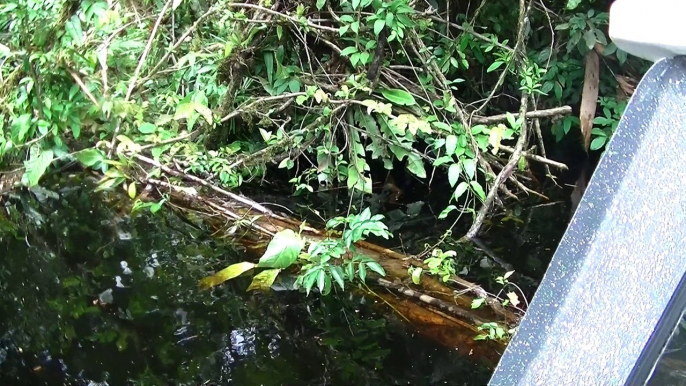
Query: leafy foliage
[325,262]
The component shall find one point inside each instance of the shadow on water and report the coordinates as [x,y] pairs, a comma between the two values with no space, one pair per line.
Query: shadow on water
[92,296]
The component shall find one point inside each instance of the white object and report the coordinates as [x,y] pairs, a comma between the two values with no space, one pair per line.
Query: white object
[651,30]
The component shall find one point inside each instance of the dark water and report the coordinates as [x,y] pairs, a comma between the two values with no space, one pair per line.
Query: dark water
[90,295]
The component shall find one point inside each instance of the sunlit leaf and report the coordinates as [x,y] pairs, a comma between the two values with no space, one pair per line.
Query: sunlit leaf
[338,275]
[417,275]
[227,273]
[478,302]
[147,128]
[469,167]
[204,111]
[282,251]
[495,137]
[514,299]
[264,280]
[478,190]
[378,26]
[450,144]
[461,188]
[453,174]
[132,190]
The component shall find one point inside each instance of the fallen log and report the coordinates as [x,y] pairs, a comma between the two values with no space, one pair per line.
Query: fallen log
[436,310]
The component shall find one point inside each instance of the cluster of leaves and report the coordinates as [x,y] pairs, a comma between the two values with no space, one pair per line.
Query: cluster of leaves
[331,260]
[441,264]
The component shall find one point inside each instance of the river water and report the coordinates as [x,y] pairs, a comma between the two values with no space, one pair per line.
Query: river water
[92,295]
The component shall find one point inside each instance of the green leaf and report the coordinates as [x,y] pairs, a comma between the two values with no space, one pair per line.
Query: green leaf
[348,50]
[478,302]
[511,119]
[36,167]
[321,280]
[338,276]
[461,188]
[417,275]
[363,272]
[399,97]
[282,251]
[444,213]
[598,142]
[494,66]
[589,38]
[320,4]
[415,165]
[450,144]
[21,125]
[443,160]
[294,85]
[453,174]
[147,128]
[90,157]
[469,167]
[378,26]
[478,190]
[356,4]
[376,267]
[263,280]
[309,279]
[228,273]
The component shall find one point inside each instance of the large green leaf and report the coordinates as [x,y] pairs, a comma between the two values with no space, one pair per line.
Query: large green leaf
[399,97]
[36,167]
[90,157]
[453,174]
[230,272]
[264,280]
[416,165]
[282,251]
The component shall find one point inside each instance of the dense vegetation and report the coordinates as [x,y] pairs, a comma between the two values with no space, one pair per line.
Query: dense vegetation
[321,94]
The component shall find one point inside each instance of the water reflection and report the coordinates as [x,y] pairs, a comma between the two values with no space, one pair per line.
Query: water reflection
[90,295]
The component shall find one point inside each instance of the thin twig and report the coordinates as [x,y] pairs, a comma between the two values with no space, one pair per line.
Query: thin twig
[257,101]
[83,87]
[562,110]
[170,140]
[537,158]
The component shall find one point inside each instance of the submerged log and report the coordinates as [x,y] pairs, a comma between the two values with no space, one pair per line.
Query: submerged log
[437,311]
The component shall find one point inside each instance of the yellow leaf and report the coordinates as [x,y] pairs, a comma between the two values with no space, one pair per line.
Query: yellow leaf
[132,190]
[264,280]
[225,274]
[320,96]
[495,137]
[514,299]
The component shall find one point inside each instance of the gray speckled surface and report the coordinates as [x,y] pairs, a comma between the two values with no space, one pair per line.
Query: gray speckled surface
[622,256]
